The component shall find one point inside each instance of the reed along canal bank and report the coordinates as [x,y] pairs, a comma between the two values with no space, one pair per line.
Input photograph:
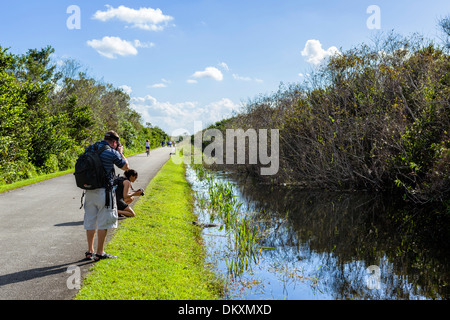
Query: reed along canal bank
[284,243]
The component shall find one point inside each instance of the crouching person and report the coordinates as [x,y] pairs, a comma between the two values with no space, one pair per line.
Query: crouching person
[125,193]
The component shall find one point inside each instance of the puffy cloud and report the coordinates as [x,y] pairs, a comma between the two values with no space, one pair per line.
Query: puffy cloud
[209,72]
[314,52]
[126,89]
[172,116]
[110,47]
[147,98]
[150,107]
[143,18]
[217,111]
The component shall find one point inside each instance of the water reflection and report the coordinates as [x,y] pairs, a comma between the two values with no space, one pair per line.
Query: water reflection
[325,242]
[410,245]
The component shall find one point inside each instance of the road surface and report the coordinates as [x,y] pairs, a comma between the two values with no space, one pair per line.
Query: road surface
[42,239]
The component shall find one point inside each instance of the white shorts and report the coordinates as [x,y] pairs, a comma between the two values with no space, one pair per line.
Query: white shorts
[96,214]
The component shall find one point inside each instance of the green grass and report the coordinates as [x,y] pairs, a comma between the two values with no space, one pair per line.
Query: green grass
[160,254]
[23,183]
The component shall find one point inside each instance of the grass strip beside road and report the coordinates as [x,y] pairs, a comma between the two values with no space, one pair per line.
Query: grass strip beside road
[23,183]
[160,252]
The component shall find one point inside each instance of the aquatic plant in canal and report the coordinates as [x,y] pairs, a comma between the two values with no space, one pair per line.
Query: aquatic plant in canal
[222,206]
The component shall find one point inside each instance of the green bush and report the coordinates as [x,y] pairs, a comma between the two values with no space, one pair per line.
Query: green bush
[49,115]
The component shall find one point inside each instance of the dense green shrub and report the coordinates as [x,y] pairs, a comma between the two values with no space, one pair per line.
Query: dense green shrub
[48,115]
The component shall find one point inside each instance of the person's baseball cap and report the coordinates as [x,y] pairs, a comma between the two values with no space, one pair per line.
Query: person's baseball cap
[112,135]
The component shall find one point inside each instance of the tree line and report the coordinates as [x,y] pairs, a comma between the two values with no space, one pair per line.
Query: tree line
[49,112]
[375,117]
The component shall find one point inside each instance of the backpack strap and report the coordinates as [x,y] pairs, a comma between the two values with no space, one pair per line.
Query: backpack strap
[105,147]
[82,196]
[109,189]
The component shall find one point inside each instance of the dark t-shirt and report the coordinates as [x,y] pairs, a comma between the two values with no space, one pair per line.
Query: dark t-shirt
[119,190]
[121,204]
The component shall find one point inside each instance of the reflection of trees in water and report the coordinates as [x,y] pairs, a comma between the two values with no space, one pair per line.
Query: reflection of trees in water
[344,233]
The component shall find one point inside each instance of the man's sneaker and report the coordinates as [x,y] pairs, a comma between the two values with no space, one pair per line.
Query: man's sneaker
[104,255]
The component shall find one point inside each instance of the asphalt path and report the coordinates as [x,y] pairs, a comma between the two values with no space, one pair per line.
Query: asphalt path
[42,239]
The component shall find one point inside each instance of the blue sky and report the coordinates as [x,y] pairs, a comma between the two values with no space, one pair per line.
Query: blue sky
[198,60]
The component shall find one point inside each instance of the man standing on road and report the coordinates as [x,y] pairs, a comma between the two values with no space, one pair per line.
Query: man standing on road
[98,216]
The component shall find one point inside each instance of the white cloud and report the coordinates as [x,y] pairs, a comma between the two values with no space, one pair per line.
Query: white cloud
[143,99]
[191,81]
[110,47]
[139,44]
[151,107]
[224,66]
[314,52]
[172,116]
[217,111]
[241,78]
[238,77]
[209,72]
[158,85]
[126,89]
[144,18]
[162,84]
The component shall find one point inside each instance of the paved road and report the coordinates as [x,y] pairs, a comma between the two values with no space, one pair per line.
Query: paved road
[42,235]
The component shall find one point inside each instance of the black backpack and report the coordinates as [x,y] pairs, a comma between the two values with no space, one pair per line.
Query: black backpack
[89,171]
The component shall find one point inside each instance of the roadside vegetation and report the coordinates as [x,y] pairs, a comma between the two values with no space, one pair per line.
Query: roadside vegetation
[374,118]
[160,252]
[51,110]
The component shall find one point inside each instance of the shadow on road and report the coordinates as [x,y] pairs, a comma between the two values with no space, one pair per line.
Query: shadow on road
[31,274]
[69,224]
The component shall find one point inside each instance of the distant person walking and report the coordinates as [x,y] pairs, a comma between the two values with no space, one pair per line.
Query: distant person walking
[147,147]
[99,216]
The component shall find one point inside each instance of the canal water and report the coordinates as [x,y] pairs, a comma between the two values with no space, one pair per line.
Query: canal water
[318,245]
